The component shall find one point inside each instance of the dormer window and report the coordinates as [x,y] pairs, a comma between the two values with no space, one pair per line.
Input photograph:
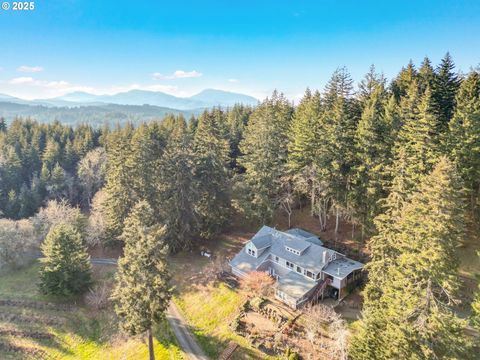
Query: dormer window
[293,251]
[251,252]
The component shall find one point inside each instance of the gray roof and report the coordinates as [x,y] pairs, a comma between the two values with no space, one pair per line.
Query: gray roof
[300,232]
[295,285]
[307,236]
[246,263]
[298,244]
[311,259]
[262,242]
[340,268]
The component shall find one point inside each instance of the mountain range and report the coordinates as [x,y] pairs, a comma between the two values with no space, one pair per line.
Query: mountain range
[205,99]
[134,105]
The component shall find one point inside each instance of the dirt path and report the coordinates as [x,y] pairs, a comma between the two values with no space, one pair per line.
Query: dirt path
[185,338]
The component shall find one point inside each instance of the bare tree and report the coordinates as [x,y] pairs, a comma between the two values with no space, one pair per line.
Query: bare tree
[16,237]
[309,183]
[339,334]
[96,227]
[91,172]
[286,197]
[257,283]
[58,212]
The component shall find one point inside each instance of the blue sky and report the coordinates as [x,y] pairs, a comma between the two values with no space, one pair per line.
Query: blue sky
[182,47]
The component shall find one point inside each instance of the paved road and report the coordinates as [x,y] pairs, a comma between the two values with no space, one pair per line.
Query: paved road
[185,338]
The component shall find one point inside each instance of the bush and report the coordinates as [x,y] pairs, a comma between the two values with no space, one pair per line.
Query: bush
[98,297]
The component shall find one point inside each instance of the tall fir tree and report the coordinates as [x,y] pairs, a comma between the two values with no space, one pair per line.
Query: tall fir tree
[177,190]
[305,132]
[264,149]
[142,291]
[417,139]
[464,138]
[412,318]
[444,92]
[335,154]
[372,157]
[119,197]
[211,151]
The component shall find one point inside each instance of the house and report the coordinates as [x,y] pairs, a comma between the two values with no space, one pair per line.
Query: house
[305,270]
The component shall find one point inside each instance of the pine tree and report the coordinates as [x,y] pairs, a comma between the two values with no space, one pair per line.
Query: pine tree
[142,291]
[120,198]
[412,317]
[3,125]
[177,190]
[444,92]
[373,154]
[305,132]
[369,85]
[66,268]
[401,84]
[146,148]
[237,120]
[464,138]
[426,76]
[211,175]
[264,149]
[417,138]
[335,154]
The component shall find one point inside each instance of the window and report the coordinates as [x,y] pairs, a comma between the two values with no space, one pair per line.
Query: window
[296,252]
[276,259]
[289,264]
[251,252]
[318,276]
[310,275]
[299,270]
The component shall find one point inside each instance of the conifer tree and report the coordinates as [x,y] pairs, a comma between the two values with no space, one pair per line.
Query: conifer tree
[211,175]
[237,120]
[372,155]
[426,76]
[264,149]
[177,190]
[401,84]
[412,317]
[66,268]
[335,155]
[142,291]
[464,138]
[417,138]
[304,133]
[444,91]
[120,198]
[3,125]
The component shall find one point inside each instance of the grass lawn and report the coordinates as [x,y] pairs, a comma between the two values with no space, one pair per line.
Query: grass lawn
[71,334]
[210,310]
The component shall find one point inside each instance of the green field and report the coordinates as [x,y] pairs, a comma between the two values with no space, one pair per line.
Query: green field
[28,331]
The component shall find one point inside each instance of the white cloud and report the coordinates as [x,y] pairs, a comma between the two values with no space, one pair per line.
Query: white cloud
[27,87]
[179,74]
[233,80]
[30,69]
[22,80]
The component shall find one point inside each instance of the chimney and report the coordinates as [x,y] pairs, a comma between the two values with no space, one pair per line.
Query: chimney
[324,257]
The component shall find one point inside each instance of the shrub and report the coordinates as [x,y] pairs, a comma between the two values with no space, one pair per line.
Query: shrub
[98,297]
